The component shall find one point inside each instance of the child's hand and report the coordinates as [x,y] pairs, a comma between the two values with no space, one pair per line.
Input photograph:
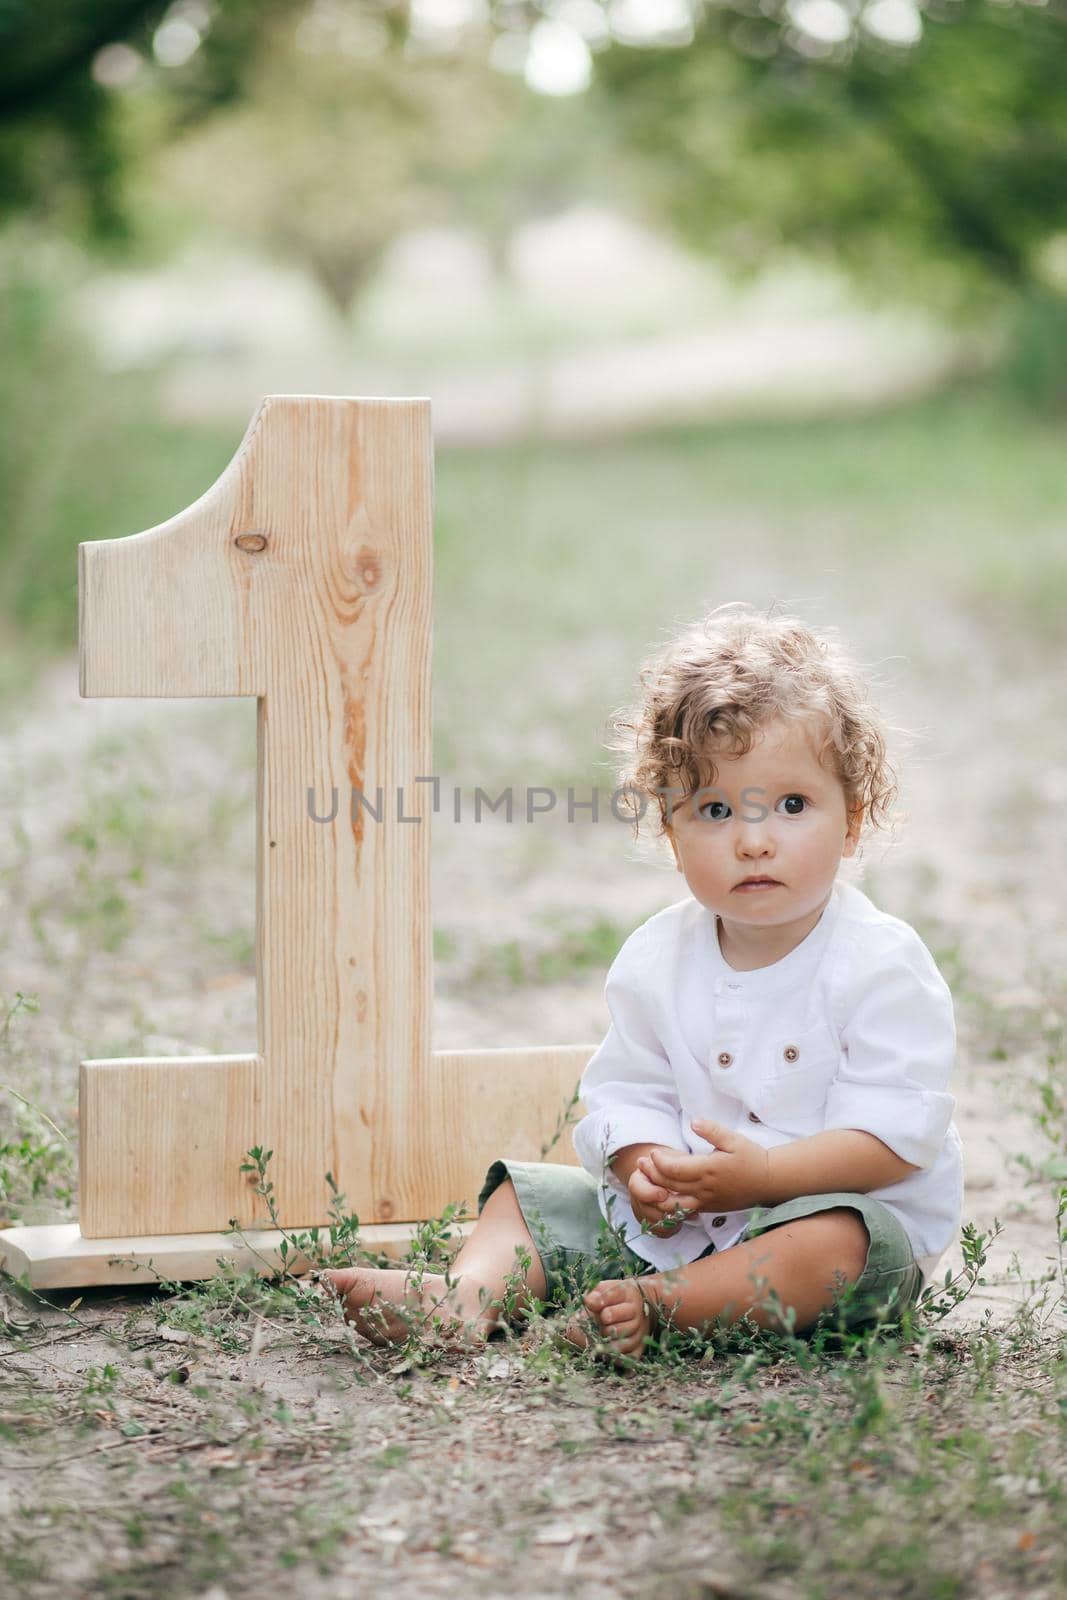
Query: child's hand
[733,1177]
[652,1204]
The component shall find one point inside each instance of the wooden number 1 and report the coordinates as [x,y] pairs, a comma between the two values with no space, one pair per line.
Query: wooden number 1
[302,577]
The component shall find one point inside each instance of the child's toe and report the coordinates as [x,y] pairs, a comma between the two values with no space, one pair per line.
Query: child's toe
[340,1280]
[608,1293]
[581,1331]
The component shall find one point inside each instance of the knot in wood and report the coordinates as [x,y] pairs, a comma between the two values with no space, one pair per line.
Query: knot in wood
[251,543]
[368,568]
[386,1209]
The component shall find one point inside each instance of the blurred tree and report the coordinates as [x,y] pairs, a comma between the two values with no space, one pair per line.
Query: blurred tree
[890,136]
[885,133]
[63,154]
[920,143]
[344,142]
[316,129]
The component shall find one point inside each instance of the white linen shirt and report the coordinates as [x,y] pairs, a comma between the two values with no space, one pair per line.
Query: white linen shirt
[854,1028]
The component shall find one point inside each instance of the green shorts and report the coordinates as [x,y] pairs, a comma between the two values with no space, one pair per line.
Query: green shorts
[577,1248]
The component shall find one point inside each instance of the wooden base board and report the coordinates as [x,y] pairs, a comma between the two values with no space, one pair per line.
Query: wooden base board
[58,1257]
[162,1140]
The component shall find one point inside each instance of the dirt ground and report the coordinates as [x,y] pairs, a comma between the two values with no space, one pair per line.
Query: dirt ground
[144,1451]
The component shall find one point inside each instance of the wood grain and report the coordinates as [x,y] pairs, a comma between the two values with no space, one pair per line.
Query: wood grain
[303,577]
[58,1256]
[491,1103]
[164,1140]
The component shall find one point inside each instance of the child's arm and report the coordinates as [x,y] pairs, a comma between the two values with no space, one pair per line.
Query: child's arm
[628,1087]
[739,1173]
[843,1160]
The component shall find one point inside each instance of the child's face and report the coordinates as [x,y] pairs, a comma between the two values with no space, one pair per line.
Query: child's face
[775,813]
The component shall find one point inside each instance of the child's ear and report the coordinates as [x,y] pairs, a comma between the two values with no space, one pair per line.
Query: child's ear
[855,826]
[674,847]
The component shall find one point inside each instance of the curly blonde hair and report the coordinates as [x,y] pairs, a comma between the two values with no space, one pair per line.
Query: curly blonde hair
[712,690]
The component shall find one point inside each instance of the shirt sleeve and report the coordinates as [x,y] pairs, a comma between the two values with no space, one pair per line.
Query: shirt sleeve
[628,1087]
[898,1034]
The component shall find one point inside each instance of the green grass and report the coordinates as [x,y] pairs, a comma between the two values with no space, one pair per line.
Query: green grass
[881,1465]
[574,951]
[609,543]
[884,1463]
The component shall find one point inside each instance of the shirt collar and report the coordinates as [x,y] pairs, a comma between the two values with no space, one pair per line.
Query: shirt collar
[800,961]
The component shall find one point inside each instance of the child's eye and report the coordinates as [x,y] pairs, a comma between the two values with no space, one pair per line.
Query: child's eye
[718,810]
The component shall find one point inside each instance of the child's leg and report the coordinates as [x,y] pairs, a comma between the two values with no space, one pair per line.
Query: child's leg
[797,1259]
[385,1303]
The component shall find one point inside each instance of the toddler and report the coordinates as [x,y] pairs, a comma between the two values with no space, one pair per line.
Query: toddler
[768,1128]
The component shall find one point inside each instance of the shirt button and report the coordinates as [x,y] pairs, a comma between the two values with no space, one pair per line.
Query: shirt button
[725,1058]
[717,1222]
[791,1052]
[752,1117]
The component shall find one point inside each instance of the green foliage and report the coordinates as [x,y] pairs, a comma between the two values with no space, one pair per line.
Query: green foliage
[434,1242]
[59,157]
[575,949]
[36,1156]
[937,1302]
[341,1241]
[66,146]
[1036,367]
[83,454]
[935,167]
[945,158]
[827,1462]
[568,1115]
[333,152]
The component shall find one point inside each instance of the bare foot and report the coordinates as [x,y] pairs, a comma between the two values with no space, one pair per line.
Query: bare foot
[618,1319]
[621,1313]
[388,1305]
[582,1331]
